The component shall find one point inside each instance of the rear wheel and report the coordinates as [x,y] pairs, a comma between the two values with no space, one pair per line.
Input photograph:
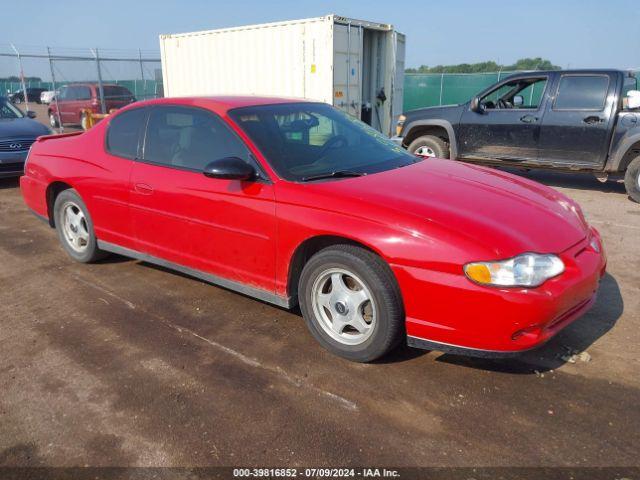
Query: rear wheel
[84,121]
[75,227]
[429,146]
[632,179]
[351,303]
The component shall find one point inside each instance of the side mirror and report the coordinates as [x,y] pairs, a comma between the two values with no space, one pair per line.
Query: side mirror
[476,106]
[518,101]
[229,168]
[31,114]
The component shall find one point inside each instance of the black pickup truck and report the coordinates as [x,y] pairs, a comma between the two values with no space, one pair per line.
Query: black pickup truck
[571,120]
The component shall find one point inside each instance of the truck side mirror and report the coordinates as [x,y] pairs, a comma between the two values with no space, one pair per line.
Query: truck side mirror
[476,106]
[518,101]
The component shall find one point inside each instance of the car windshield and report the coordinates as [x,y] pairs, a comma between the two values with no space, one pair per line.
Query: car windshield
[311,141]
[8,111]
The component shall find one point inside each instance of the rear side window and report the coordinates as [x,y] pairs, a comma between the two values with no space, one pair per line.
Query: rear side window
[124,133]
[189,138]
[114,92]
[582,92]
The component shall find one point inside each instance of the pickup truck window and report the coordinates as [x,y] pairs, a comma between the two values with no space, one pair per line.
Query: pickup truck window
[522,93]
[582,92]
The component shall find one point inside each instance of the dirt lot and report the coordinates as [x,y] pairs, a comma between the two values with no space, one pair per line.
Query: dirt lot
[122,363]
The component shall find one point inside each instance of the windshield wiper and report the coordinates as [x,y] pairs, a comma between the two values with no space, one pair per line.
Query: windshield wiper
[334,174]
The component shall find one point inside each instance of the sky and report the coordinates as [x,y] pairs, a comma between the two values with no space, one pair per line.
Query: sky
[570,33]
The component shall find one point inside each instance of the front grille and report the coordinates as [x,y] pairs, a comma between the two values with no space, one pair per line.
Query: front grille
[11,167]
[16,145]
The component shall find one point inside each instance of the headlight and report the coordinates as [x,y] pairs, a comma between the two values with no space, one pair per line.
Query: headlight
[526,270]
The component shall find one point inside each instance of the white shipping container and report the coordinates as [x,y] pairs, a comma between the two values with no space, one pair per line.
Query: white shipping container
[354,65]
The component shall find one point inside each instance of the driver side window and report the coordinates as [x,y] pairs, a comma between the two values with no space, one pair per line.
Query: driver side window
[522,93]
[189,138]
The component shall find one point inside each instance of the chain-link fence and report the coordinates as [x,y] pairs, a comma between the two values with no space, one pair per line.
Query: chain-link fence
[432,89]
[96,79]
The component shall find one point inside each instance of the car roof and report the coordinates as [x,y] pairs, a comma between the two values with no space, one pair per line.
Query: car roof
[221,103]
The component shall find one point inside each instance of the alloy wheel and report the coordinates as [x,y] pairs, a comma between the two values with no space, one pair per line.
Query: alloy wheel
[74,227]
[344,306]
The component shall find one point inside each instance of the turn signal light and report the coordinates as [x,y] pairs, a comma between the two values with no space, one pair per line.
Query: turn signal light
[478,273]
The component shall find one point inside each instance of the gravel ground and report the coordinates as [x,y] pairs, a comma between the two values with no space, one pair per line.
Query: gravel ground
[126,364]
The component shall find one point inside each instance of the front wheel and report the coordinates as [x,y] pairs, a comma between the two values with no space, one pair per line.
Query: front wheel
[351,303]
[632,179]
[429,146]
[75,227]
[53,120]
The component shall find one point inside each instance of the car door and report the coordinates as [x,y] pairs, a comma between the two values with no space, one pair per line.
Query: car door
[109,184]
[221,227]
[63,102]
[577,127]
[507,124]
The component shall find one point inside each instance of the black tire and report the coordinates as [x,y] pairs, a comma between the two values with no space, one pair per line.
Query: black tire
[53,120]
[377,277]
[632,179]
[90,251]
[437,145]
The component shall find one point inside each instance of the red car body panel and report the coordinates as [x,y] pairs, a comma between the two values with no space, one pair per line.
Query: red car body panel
[425,220]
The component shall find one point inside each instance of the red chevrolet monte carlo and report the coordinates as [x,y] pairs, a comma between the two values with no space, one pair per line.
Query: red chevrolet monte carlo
[294,202]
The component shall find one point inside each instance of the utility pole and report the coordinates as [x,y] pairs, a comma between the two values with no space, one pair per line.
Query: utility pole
[24,86]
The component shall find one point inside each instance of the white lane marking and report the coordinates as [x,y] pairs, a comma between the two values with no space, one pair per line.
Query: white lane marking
[105,291]
[295,381]
[621,225]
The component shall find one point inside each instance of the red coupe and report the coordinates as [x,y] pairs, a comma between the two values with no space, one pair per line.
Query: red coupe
[294,202]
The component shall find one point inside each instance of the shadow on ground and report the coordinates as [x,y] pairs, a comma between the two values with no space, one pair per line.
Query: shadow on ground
[12,182]
[577,337]
[580,181]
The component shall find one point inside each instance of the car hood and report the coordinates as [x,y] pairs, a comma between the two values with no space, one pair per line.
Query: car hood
[21,128]
[504,213]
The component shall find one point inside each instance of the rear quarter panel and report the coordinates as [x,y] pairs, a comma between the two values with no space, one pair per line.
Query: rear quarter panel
[100,179]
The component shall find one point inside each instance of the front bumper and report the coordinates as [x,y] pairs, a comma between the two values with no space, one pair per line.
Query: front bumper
[12,164]
[446,311]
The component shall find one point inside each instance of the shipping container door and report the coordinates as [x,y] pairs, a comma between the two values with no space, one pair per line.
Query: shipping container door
[347,75]
[398,80]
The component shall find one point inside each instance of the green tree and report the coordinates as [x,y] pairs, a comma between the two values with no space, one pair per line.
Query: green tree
[488,66]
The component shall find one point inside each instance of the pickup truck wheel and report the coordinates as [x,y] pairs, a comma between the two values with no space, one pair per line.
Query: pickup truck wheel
[429,146]
[351,303]
[632,179]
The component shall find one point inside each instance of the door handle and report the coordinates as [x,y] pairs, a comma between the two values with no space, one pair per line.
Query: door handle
[528,119]
[592,119]
[143,188]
